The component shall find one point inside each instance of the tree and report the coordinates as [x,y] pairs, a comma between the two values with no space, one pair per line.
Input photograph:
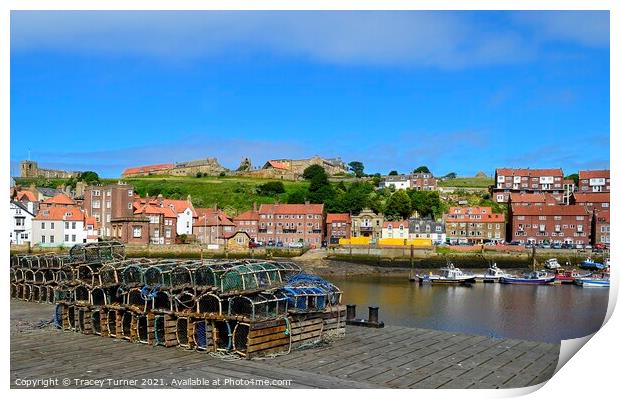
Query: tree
[199,174]
[426,203]
[89,177]
[393,173]
[312,171]
[398,205]
[297,196]
[270,188]
[422,169]
[574,177]
[357,167]
[450,175]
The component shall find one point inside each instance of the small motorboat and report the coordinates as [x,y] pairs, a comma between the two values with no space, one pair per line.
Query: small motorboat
[601,281]
[534,278]
[492,275]
[552,264]
[590,264]
[568,276]
[448,275]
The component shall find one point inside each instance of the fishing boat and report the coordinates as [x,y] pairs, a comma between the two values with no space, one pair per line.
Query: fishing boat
[568,276]
[590,264]
[492,275]
[601,281]
[448,275]
[552,264]
[534,278]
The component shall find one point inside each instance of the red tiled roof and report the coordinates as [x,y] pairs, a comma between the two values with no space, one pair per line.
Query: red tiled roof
[70,213]
[396,224]
[295,209]
[147,169]
[231,235]
[552,210]
[603,216]
[209,211]
[277,164]
[28,195]
[93,221]
[593,174]
[528,172]
[179,206]
[247,215]
[533,198]
[213,220]
[338,217]
[59,199]
[485,212]
[149,209]
[592,197]
[569,181]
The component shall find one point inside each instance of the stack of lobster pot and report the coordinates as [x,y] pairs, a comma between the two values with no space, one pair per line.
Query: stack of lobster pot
[247,307]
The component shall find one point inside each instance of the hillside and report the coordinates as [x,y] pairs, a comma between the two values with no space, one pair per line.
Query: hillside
[467,182]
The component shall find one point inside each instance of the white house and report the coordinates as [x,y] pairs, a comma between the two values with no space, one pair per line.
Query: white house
[186,214]
[427,228]
[398,182]
[396,229]
[60,226]
[21,215]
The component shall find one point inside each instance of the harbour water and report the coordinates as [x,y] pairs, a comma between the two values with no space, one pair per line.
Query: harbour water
[540,313]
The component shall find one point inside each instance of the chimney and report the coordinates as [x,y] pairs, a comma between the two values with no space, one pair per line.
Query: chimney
[254,208]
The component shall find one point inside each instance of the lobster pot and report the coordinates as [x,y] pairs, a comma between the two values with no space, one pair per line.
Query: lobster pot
[132,276]
[158,275]
[71,317]
[203,335]
[56,262]
[39,277]
[14,290]
[96,321]
[203,277]
[305,298]
[259,306]
[27,293]
[63,294]
[240,338]
[12,275]
[66,275]
[100,297]
[19,275]
[36,293]
[181,277]
[184,301]
[97,252]
[49,277]
[84,320]
[87,274]
[287,269]
[127,326]
[15,261]
[114,317]
[142,328]
[29,276]
[58,310]
[211,303]
[222,334]
[165,327]
[185,332]
[135,300]
[81,295]
[162,302]
[43,293]
[51,294]
[334,295]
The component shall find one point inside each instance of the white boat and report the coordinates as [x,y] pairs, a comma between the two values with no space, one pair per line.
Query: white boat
[534,278]
[594,281]
[448,275]
[492,275]
[552,264]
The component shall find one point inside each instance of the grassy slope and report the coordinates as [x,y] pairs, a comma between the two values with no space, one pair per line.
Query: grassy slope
[473,182]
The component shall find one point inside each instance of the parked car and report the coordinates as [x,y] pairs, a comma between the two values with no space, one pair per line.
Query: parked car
[567,246]
[253,244]
[578,246]
[279,244]
[270,243]
[557,246]
[588,246]
[600,245]
[546,246]
[296,244]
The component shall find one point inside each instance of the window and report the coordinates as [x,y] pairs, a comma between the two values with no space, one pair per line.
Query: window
[66,226]
[52,225]
[96,192]
[66,237]
[43,239]
[72,237]
[137,232]
[107,218]
[108,204]
[73,225]
[96,204]
[130,193]
[51,239]
[557,218]
[520,217]
[129,205]
[542,218]
[579,218]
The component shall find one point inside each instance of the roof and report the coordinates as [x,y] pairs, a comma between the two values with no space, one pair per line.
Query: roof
[532,198]
[59,199]
[147,169]
[179,206]
[21,206]
[27,195]
[549,210]
[150,209]
[528,172]
[93,221]
[47,192]
[593,174]
[70,213]
[231,235]
[298,209]
[213,220]
[396,224]
[338,217]
[247,215]
[276,164]
[397,178]
[208,211]
[592,197]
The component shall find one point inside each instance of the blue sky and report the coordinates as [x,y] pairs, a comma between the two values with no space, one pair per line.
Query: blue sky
[457,91]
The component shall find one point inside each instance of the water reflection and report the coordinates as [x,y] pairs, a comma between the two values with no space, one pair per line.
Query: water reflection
[540,313]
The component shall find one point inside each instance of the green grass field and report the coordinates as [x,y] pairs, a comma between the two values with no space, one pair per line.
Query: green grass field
[468,182]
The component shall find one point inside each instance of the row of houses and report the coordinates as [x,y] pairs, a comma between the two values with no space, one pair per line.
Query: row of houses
[413,181]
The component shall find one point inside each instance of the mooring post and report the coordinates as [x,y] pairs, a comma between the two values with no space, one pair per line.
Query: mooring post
[350,312]
[373,314]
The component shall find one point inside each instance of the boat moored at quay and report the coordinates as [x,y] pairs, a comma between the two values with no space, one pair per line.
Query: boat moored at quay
[601,281]
[533,278]
[448,275]
[492,275]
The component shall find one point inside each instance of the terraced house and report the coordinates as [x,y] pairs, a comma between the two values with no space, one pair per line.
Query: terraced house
[594,181]
[561,224]
[475,225]
[283,224]
[508,180]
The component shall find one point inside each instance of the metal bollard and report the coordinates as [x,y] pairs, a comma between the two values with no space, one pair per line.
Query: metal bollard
[373,314]
[350,312]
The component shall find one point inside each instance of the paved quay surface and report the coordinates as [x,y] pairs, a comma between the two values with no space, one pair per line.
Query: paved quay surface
[392,357]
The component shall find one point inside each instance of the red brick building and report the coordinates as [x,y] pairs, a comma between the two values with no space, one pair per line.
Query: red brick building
[105,203]
[601,228]
[535,199]
[162,223]
[525,181]
[248,222]
[474,224]
[423,181]
[291,223]
[594,202]
[570,224]
[213,226]
[131,229]
[338,226]
[594,181]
